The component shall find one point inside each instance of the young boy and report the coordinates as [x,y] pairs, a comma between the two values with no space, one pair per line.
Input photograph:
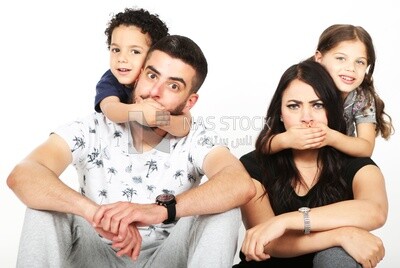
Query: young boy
[130,34]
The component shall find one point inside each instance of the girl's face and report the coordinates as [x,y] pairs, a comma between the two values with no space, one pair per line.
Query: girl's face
[346,63]
[301,106]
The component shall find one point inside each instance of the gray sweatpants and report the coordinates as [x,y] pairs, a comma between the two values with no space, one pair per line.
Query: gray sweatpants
[335,257]
[53,239]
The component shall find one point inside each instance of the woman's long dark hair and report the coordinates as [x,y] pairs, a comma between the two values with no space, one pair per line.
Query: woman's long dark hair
[280,172]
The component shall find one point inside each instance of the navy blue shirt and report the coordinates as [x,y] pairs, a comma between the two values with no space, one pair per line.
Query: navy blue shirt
[109,86]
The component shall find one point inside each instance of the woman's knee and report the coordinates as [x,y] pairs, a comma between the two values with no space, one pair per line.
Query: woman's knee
[335,257]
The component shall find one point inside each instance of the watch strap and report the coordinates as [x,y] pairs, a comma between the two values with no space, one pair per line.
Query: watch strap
[169,202]
[306,218]
[171,210]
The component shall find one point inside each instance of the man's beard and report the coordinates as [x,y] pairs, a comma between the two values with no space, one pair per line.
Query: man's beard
[178,110]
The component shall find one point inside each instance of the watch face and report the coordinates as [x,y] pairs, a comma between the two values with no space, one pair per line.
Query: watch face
[304,209]
[165,198]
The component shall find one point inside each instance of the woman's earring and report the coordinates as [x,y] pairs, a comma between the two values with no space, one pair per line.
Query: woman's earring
[281,118]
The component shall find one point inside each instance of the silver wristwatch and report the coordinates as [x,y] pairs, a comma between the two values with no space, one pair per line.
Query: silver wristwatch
[307,223]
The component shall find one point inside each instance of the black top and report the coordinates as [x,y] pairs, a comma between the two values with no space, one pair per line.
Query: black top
[253,168]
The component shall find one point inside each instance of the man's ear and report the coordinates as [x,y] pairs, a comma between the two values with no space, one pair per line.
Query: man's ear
[318,56]
[191,101]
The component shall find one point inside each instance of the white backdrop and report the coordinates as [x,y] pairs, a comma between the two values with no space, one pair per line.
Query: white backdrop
[54,52]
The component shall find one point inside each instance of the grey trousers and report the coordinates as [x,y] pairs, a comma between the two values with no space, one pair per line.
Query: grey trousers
[52,239]
[335,257]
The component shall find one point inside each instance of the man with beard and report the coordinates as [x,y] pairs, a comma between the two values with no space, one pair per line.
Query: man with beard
[142,201]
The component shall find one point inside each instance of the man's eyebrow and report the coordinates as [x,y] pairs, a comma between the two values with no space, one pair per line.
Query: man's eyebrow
[178,79]
[153,69]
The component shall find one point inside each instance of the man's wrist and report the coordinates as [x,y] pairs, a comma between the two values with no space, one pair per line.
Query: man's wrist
[86,208]
[169,202]
[164,212]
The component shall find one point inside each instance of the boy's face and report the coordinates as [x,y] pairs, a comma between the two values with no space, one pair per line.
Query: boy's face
[168,81]
[128,50]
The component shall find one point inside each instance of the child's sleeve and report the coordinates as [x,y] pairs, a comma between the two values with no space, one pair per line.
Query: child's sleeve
[109,86]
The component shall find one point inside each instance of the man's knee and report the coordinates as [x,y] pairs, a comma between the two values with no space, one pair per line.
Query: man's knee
[335,257]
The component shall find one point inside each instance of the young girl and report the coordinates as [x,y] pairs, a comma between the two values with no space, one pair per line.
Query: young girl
[347,52]
[313,207]
[129,37]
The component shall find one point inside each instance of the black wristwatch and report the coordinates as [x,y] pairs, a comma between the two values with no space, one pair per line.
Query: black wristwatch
[168,201]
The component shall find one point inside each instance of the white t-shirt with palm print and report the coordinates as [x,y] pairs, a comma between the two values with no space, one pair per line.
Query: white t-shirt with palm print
[110,169]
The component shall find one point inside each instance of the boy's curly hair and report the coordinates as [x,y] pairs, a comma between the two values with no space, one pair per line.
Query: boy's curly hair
[141,18]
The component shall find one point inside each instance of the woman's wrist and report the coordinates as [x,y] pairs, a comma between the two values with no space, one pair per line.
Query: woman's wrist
[292,220]
[339,235]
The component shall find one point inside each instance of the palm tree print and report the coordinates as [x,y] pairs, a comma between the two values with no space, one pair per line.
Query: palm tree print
[117,135]
[166,191]
[93,159]
[151,189]
[97,163]
[93,155]
[128,169]
[106,153]
[103,194]
[129,192]
[207,141]
[191,178]
[152,166]
[151,229]
[190,158]
[174,145]
[112,171]
[179,174]
[137,179]
[79,143]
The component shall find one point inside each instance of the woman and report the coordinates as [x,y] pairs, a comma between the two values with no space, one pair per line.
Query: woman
[314,207]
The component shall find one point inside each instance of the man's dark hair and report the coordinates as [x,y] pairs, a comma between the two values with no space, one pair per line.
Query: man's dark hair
[185,49]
